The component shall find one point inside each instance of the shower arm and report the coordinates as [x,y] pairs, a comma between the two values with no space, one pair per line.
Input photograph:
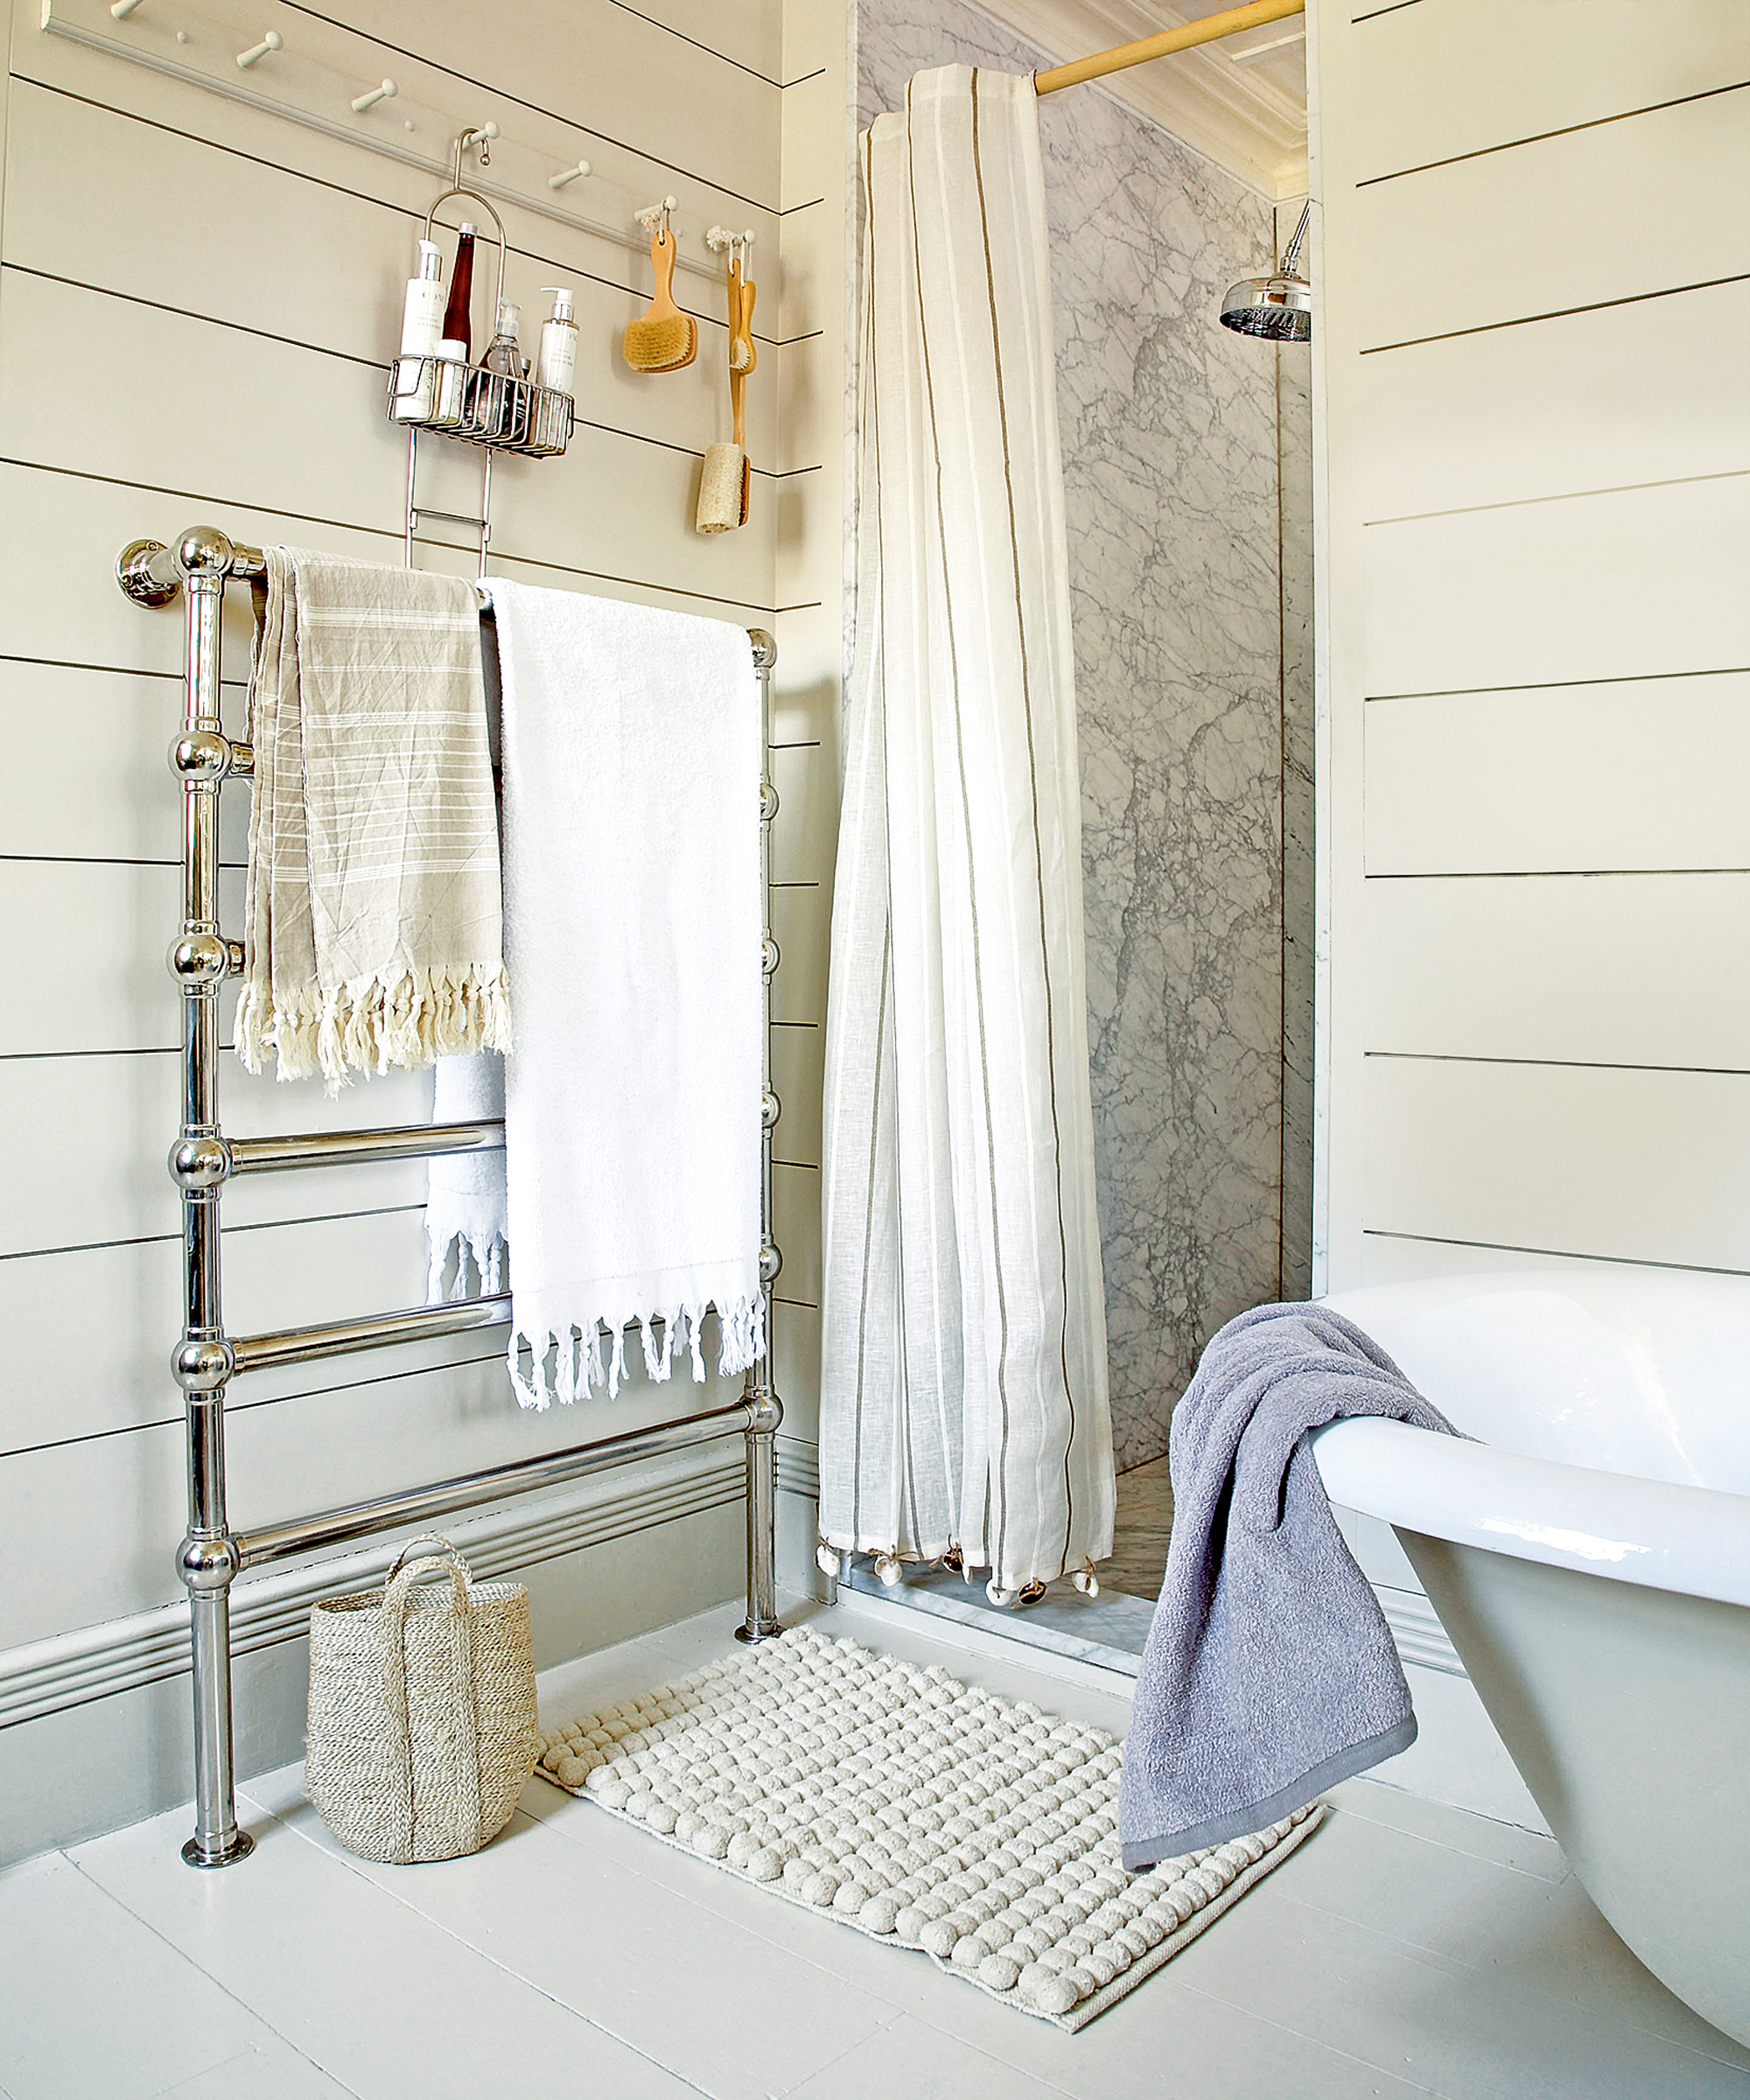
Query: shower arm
[1291,253]
[1210,30]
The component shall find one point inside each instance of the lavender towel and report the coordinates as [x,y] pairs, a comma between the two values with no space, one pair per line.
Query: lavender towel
[1269,1672]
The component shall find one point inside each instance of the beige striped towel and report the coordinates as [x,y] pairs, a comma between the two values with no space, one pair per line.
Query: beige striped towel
[374,916]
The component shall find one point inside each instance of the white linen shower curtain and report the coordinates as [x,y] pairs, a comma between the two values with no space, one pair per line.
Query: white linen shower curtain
[963,1378]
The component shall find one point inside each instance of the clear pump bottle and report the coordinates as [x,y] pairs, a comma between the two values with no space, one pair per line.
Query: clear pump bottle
[504,353]
[500,401]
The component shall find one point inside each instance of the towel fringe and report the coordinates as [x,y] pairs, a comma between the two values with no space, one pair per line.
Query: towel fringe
[376,1026]
[485,1254]
[578,1368]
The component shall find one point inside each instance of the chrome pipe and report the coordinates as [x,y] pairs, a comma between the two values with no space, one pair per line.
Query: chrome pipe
[765,1410]
[339,1148]
[423,1505]
[206,1560]
[380,1331]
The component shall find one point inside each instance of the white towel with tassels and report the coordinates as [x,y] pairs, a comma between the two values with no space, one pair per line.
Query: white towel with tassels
[465,1206]
[631,748]
[372,923]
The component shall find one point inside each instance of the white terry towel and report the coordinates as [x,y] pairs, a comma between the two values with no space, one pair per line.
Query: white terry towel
[465,1196]
[631,749]
[373,920]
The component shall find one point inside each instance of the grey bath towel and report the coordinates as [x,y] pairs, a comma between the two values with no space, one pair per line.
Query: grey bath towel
[1269,1672]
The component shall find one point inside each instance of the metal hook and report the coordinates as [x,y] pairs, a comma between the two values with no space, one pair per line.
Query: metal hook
[272,41]
[565,175]
[372,96]
[476,135]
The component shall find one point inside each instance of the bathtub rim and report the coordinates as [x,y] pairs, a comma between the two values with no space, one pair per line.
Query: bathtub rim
[1657,1535]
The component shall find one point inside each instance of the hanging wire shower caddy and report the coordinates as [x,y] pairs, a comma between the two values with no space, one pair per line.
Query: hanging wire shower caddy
[490,409]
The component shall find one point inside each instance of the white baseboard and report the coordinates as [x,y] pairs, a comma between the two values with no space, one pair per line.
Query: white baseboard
[96,1661]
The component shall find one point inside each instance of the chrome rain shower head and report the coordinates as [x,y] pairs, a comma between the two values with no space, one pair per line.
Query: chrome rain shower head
[1279,307]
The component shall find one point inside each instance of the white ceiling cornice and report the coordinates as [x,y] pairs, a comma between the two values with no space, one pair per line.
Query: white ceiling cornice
[1238,115]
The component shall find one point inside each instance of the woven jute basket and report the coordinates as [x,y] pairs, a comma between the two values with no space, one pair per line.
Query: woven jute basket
[421,1730]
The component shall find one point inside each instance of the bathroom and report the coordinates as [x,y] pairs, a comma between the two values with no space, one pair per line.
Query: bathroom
[1467,1014]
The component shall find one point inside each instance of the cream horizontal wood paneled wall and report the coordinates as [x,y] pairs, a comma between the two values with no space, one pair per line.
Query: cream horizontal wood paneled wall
[1534,442]
[197,299]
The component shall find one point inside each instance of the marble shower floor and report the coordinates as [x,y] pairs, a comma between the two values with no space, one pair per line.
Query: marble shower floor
[1139,1537]
[1109,1632]
[1405,1949]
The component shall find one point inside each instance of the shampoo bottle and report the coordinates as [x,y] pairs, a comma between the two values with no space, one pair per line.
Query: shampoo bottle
[421,332]
[557,367]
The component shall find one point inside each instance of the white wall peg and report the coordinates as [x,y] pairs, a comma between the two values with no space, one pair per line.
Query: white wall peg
[122,9]
[372,96]
[565,175]
[272,41]
[652,212]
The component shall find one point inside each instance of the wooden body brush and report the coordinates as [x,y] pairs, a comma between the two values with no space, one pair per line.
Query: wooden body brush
[725,479]
[664,338]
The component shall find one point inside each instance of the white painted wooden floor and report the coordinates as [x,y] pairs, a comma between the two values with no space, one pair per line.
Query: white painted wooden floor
[1405,1949]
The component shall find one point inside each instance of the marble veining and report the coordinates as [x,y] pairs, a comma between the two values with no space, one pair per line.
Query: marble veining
[1169,425]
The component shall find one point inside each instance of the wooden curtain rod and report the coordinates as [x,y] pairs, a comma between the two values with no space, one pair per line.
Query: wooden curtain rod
[1208,30]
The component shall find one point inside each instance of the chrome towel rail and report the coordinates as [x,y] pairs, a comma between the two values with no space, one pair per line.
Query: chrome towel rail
[203,1159]
[333,1148]
[379,1330]
[425,1505]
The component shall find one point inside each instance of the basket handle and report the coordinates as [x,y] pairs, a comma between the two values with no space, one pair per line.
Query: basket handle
[396,1597]
[423,1538]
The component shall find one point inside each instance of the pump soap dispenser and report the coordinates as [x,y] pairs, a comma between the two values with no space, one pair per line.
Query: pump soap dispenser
[557,366]
[422,331]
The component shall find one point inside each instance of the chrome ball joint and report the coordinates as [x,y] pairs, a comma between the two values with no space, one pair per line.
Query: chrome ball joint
[768,801]
[198,960]
[202,1363]
[200,1162]
[770,1108]
[201,551]
[207,1564]
[201,756]
[771,1261]
[769,956]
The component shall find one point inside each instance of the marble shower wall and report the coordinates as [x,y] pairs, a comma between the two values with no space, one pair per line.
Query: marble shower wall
[1170,443]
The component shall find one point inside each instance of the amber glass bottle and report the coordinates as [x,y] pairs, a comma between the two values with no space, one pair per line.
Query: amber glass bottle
[456,314]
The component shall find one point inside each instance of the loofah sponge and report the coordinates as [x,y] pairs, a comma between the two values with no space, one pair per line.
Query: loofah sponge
[723,500]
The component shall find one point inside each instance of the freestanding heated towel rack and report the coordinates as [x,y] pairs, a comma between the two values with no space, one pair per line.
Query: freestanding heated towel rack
[203,1159]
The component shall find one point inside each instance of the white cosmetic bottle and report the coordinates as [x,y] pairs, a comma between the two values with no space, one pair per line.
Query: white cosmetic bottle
[421,329]
[557,367]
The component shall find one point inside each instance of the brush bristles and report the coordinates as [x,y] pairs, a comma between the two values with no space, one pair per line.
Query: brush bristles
[740,357]
[662,346]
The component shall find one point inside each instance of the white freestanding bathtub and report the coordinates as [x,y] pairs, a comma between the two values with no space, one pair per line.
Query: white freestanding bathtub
[1590,1558]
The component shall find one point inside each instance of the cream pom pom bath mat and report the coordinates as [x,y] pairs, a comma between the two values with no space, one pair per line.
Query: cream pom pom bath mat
[916,1808]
